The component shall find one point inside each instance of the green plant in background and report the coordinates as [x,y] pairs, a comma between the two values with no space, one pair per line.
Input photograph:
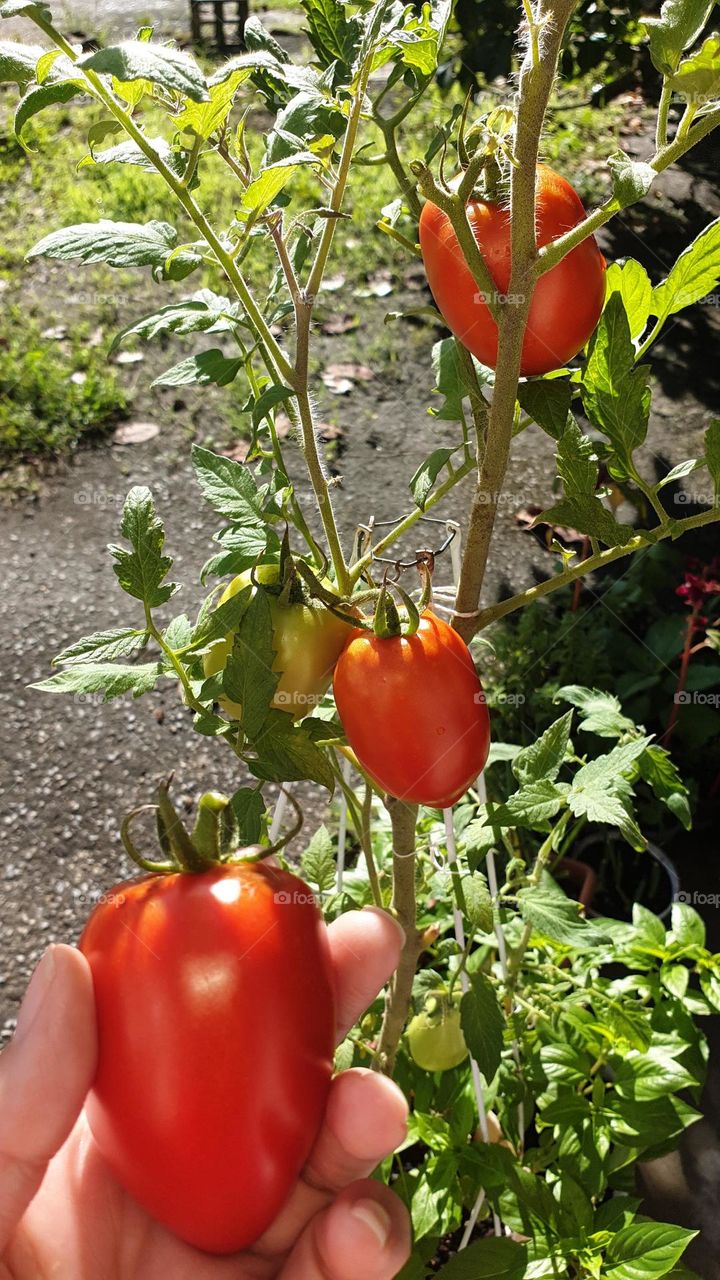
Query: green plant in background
[580,1033]
[52,395]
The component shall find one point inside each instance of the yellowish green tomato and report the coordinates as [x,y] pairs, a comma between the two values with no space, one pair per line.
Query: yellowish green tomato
[307,640]
[435,1037]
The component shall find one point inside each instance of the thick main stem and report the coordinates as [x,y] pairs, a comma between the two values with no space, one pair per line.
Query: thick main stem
[536,81]
[403,818]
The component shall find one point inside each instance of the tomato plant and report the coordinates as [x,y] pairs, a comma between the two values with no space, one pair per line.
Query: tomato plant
[587,1071]
[216,1033]
[414,712]
[567,301]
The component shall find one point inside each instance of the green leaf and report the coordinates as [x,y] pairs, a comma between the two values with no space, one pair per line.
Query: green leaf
[543,759]
[657,1123]
[103,645]
[106,678]
[308,118]
[601,712]
[532,806]
[659,770]
[600,792]
[483,1024]
[288,754]
[614,390]
[679,25]
[334,34]
[490,1259]
[204,118]
[17,62]
[579,469]
[645,1251]
[423,481]
[688,928]
[478,902]
[26,9]
[271,181]
[243,547]
[698,77]
[318,861]
[270,397]
[631,179]
[449,380]
[204,310]
[142,571]
[553,915]
[120,244]
[178,632]
[248,677]
[159,64]
[222,621]
[547,401]
[41,96]
[632,282]
[228,486]
[130,153]
[695,274]
[242,819]
[208,367]
[653,1076]
[649,928]
[712,454]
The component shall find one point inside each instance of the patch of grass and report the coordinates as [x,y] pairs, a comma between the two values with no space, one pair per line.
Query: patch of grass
[52,397]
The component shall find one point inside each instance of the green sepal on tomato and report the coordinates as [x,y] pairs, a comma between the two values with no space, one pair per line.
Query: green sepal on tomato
[414,711]
[216,1027]
[307,639]
[567,300]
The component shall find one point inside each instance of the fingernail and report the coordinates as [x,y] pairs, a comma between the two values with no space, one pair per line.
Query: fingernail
[375,1217]
[385,915]
[36,993]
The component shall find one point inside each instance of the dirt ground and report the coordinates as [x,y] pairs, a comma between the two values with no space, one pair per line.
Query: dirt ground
[71,767]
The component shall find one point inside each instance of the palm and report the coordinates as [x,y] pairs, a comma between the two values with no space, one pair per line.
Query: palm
[81,1223]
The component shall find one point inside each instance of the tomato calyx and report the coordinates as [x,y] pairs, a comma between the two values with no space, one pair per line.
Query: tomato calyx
[212,842]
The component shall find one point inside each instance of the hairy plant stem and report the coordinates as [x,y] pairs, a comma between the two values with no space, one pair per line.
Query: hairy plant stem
[672,529]
[387,127]
[403,818]
[536,80]
[555,251]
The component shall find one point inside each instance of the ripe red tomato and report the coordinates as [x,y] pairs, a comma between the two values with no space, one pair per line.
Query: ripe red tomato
[216,1021]
[414,712]
[567,300]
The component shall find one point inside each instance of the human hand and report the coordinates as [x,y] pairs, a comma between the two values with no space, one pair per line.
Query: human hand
[63,1214]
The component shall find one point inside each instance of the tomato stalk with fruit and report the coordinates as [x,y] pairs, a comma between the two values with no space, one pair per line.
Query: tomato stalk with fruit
[542,331]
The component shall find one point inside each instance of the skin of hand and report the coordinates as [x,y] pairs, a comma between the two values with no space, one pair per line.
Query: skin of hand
[63,1214]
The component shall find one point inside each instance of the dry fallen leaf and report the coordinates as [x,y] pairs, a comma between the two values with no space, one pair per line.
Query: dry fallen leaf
[327,432]
[238,451]
[345,323]
[135,432]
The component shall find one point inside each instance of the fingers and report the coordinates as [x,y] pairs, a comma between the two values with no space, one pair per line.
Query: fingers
[45,1074]
[366,1119]
[365,948]
[364,1235]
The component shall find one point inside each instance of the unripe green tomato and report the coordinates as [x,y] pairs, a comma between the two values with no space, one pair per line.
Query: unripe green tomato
[307,640]
[435,1037]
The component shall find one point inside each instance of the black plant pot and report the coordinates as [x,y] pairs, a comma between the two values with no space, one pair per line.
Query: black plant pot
[625,876]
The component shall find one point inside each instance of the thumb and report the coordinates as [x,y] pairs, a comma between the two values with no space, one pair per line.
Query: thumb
[45,1074]
[363,1235]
